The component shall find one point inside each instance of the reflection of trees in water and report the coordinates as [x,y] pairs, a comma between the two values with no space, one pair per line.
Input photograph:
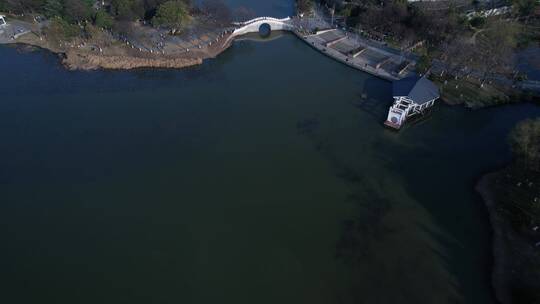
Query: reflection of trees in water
[389,245]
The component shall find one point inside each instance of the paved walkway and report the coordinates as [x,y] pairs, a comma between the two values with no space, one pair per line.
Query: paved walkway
[368,61]
[354,50]
[12,30]
[343,46]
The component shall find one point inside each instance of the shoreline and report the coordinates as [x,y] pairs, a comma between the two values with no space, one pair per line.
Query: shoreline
[88,62]
[342,61]
[104,51]
[118,56]
[121,57]
[75,60]
[508,194]
[499,271]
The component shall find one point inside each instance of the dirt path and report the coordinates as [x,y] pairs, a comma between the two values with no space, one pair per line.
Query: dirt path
[473,38]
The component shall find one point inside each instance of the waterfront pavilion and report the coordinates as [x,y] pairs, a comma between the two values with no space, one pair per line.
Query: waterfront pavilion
[412,96]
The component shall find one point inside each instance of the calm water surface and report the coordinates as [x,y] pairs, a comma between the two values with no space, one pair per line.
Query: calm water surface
[262,176]
[273,8]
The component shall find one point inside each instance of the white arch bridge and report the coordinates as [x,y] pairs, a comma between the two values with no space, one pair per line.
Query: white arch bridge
[253,25]
[387,64]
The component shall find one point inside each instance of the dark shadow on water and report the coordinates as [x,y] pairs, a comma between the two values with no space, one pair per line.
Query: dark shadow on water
[375,98]
[370,106]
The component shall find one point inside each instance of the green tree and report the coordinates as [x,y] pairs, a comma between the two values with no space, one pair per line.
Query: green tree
[524,7]
[61,30]
[525,142]
[424,63]
[53,8]
[22,6]
[304,5]
[172,14]
[103,20]
[128,10]
[77,10]
[477,22]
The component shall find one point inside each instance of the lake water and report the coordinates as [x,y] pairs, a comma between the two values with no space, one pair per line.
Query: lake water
[262,176]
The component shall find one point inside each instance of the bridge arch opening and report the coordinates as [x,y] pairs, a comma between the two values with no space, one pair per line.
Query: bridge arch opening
[265,30]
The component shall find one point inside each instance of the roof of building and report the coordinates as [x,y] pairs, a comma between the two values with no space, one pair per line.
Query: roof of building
[418,89]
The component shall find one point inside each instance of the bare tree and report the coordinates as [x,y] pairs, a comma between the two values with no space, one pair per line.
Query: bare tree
[495,49]
[218,11]
[525,142]
[456,56]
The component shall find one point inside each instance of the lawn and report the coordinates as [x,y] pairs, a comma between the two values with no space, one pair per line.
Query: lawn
[471,94]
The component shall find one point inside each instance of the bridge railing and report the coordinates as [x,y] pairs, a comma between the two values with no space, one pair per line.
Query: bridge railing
[246,27]
[262,19]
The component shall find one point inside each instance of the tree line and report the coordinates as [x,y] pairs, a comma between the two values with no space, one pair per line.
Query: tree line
[479,47]
[114,14]
[525,143]
[75,11]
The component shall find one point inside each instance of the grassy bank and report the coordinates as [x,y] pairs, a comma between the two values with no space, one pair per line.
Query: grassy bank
[512,197]
[471,94]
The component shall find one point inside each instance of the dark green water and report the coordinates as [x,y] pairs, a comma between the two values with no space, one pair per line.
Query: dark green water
[258,177]
[272,8]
